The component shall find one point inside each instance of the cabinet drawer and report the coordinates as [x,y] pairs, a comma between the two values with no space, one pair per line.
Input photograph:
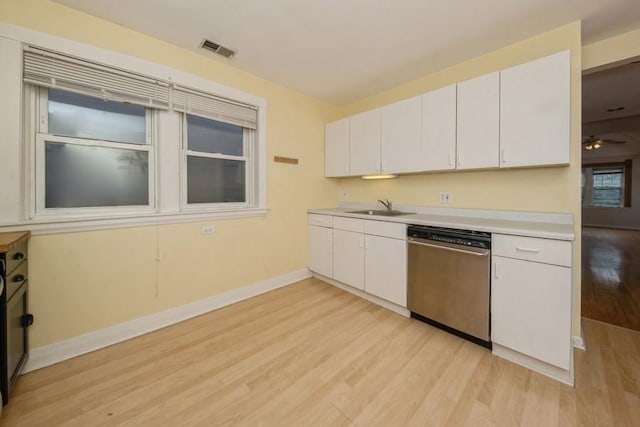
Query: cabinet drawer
[16,256]
[16,278]
[548,251]
[321,220]
[386,229]
[348,224]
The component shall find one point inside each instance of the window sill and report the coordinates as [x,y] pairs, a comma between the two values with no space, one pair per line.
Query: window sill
[50,226]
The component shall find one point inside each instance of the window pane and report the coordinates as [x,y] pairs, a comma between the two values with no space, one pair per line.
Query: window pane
[215,180]
[83,176]
[210,136]
[607,187]
[86,117]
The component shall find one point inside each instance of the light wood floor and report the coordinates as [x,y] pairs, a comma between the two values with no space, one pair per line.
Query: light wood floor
[611,276]
[311,354]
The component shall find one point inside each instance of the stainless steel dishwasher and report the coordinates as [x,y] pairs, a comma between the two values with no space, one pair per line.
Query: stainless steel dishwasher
[448,281]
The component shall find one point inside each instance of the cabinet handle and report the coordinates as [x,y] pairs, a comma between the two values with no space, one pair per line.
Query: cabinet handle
[361,242]
[366,243]
[18,278]
[502,156]
[18,256]
[532,250]
[495,269]
[459,159]
[27,320]
[450,158]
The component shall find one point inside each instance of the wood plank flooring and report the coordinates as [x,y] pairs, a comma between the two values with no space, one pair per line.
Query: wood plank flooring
[311,354]
[611,276]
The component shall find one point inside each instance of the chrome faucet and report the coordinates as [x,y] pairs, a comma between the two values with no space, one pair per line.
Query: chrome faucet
[387,204]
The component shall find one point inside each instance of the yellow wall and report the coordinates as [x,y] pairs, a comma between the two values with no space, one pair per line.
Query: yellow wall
[540,190]
[81,282]
[609,51]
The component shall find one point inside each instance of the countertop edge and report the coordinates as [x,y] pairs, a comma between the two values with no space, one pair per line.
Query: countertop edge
[8,241]
[547,230]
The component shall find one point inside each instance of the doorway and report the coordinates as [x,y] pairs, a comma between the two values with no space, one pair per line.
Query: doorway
[611,195]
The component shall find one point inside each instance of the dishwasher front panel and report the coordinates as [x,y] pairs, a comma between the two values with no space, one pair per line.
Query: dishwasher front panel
[450,284]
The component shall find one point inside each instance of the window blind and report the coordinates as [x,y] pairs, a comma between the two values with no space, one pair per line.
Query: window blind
[213,107]
[55,70]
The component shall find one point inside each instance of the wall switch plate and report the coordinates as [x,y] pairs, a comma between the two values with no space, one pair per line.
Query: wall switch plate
[445,197]
[208,229]
[344,194]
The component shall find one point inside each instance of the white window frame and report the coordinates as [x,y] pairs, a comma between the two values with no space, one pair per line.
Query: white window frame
[248,143]
[39,134]
[18,161]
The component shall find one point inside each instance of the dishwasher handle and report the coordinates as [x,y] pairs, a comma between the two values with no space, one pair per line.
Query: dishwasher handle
[474,252]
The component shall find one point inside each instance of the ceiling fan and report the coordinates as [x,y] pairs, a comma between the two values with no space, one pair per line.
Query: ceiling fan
[594,143]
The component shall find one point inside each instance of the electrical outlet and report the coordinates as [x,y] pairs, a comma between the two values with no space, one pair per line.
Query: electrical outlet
[445,197]
[208,229]
[344,194]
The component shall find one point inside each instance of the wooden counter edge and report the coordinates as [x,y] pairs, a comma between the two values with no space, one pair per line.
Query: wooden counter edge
[9,241]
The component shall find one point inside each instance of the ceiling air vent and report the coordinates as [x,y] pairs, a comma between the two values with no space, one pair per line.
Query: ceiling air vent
[217,48]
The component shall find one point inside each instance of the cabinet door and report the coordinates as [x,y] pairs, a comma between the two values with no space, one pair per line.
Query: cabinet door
[400,136]
[348,258]
[364,143]
[320,250]
[336,148]
[531,309]
[439,129]
[386,268]
[478,122]
[535,112]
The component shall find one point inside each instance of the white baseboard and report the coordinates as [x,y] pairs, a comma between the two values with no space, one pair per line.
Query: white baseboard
[72,347]
[371,298]
[558,374]
[578,342]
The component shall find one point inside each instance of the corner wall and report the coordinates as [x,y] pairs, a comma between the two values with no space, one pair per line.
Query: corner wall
[82,282]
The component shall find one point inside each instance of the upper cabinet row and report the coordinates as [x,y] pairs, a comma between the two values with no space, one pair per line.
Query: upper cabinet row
[512,118]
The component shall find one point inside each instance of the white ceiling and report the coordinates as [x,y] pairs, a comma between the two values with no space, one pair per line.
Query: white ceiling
[342,50]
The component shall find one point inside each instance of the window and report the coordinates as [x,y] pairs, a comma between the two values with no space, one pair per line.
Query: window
[218,151]
[105,145]
[216,161]
[91,153]
[607,184]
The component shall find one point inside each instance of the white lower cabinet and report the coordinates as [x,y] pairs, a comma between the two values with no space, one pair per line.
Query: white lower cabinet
[531,303]
[321,250]
[348,258]
[364,254]
[385,268]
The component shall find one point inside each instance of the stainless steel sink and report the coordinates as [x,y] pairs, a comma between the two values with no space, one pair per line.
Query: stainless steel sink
[384,212]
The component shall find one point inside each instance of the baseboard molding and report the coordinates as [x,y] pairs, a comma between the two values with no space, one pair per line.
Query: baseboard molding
[371,298]
[558,374]
[613,227]
[578,342]
[72,347]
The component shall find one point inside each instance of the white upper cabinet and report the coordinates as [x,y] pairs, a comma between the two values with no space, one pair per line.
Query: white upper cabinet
[535,112]
[401,125]
[364,147]
[336,148]
[439,129]
[478,127]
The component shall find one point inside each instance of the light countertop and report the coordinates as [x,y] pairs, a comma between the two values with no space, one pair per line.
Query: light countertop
[514,223]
